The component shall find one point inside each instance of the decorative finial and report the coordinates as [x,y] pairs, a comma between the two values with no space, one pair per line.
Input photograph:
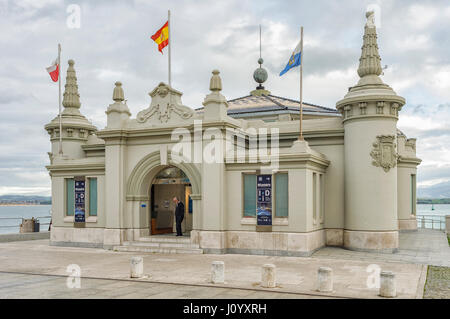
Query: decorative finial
[118,95]
[215,85]
[260,74]
[370,61]
[370,15]
[71,97]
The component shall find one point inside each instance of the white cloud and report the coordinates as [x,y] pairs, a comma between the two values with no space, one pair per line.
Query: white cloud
[422,16]
[419,123]
[441,80]
[24,190]
[415,42]
[105,74]
[432,182]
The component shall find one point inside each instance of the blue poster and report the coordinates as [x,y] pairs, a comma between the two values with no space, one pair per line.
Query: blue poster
[80,201]
[264,202]
[190,205]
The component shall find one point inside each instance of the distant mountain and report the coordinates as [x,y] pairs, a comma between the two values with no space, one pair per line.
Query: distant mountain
[433,201]
[440,190]
[16,199]
[24,197]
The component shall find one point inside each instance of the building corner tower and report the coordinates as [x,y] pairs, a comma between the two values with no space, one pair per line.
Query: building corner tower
[75,127]
[370,114]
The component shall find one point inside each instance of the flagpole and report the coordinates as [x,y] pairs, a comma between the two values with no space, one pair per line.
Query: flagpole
[301,84]
[59,101]
[170,39]
[260,41]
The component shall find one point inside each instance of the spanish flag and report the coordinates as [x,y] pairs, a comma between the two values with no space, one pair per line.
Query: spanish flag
[161,37]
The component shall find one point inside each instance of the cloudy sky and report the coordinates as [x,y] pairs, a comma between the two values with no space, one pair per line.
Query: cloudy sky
[113,43]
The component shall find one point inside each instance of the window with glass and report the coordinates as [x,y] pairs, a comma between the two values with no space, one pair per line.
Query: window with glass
[92,196]
[281,195]
[70,196]
[249,195]
[322,196]
[413,194]
[314,200]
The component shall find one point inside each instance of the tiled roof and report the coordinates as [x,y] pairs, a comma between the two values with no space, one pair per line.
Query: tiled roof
[264,103]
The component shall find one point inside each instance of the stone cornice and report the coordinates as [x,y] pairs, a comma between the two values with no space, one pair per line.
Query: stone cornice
[56,138]
[112,133]
[244,167]
[65,124]
[78,167]
[93,147]
[285,159]
[71,131]
[414,161]
[371,117]
[167,131]
[370,97]
[158,131]
[313,134]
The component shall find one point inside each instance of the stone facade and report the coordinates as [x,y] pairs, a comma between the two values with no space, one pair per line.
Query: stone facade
[350,182]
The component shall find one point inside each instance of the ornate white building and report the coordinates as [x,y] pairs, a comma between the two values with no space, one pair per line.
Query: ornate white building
[351,182]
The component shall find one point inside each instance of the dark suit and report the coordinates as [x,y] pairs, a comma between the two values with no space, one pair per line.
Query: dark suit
[179,216]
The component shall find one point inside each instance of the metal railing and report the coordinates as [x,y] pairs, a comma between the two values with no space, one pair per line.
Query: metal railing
[431,222]
[17,225]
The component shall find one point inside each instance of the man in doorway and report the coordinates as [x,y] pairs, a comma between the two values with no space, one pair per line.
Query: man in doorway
[179,215]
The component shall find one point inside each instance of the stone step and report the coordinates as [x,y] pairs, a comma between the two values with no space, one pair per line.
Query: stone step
[166,239]
[147,249]
[161,244]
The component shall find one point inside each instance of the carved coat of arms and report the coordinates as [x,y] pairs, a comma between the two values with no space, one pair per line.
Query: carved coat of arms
[384,154]
[165,102]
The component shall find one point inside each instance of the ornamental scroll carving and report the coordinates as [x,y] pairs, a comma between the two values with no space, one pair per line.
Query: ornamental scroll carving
[384,154]
[165,103]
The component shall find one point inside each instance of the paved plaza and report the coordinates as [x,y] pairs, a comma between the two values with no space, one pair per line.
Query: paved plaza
[18,286]
[425,246]
[33,269]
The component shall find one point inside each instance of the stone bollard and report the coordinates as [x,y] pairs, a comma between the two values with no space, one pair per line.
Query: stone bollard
[217,272]
[268,276]
[325,279]
[136,267]
[387,284]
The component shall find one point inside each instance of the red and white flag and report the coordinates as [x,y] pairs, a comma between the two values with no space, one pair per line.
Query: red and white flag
[53,70]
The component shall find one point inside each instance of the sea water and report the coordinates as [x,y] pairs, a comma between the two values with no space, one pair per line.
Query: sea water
[8,226]
[439,209]
[433,218]
[38,211]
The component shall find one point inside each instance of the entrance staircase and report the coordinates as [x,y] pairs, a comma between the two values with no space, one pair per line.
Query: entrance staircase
[162,245]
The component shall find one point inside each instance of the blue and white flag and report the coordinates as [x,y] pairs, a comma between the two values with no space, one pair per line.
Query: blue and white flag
[294,60]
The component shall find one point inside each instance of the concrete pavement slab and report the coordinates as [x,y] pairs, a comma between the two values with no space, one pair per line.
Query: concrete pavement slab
[294,274]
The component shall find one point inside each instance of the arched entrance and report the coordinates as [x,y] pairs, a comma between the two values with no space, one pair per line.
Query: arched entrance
[170,182]
[139,191]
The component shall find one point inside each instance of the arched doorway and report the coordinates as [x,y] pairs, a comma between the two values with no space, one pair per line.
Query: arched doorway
[168,183]
[138,191]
